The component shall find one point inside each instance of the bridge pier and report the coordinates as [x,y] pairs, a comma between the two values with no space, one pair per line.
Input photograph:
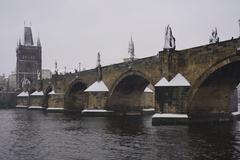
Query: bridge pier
[55,102]
[22,100]
[97,100]
[171,103]
[171,99]
[36,100]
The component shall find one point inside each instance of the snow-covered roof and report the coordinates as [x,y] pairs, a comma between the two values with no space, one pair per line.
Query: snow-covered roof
[179,80]
[148,109]
[148,90]
[36,93]
[23,94]
[98,86]
[35,107]
[52,92]
[162,82]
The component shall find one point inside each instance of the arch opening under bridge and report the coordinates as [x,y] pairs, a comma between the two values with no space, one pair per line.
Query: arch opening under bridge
[75,98]
[214,92]
[127,93]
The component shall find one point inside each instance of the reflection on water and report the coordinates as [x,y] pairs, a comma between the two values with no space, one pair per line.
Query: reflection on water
[28,135]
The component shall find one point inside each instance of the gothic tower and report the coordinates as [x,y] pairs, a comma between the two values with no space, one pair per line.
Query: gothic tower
[29,59]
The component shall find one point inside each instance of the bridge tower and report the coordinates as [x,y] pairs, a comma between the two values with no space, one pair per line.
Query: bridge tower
[29,59]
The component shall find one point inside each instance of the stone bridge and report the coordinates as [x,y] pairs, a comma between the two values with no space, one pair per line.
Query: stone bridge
[213,71]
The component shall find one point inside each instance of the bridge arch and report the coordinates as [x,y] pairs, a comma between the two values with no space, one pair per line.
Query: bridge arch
[212,91]
[126,92]
[75,98]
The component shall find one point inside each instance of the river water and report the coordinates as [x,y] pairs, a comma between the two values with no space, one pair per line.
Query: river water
[36,135]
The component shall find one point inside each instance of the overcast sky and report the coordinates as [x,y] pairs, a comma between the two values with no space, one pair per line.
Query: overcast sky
[73,31]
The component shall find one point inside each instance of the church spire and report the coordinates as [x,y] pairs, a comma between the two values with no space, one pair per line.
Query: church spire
[131,49]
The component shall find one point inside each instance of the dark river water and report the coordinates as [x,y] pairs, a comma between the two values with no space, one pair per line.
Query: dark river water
[30,135]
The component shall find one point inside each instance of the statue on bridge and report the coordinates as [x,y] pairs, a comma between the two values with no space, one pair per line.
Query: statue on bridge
[38,75]
[56,67]
[214,37]
[99,68]
[131,49]
[239,26]
[169,39]
[25,83]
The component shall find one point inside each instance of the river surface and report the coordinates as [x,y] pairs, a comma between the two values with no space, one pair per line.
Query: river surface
[36,135]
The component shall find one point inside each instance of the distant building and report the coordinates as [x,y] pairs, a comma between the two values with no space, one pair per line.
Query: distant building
[46,74]
[3,83]
[12,82]
[29,59]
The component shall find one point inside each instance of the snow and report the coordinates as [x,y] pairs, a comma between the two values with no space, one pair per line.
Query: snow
[97,87]
[235,113]
[52,92]
[169,115]
[36,93]
[179,80]
[148,110]
[21,106]
[54,109]
[162,82]
[95,110]
[148,90]
[23,94]
[35,107]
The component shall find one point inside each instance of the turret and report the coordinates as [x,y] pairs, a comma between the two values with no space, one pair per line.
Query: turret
[38,42]
[19,42]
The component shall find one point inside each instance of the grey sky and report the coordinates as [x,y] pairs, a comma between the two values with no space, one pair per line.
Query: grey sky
[73,31]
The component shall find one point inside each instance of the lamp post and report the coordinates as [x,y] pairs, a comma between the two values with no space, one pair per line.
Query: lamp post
[79,67]
[239,26]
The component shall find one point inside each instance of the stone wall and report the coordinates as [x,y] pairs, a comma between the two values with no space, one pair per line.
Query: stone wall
[23,101]
[36,101]
[56,101]
[171,99]
[97,100]
[147,100]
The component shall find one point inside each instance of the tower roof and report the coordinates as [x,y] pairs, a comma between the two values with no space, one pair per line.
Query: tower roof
[28,39]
